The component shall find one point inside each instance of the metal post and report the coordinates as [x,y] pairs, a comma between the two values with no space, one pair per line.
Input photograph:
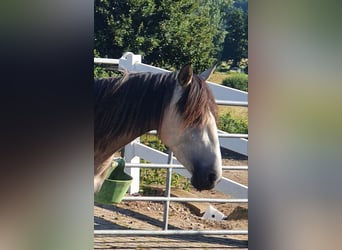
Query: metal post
[168,191]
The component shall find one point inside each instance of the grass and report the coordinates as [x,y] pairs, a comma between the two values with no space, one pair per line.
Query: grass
[236,112]
[157,176]
[240,113]
[218,77]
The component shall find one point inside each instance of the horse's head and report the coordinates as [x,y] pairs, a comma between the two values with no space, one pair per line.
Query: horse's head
[189,128]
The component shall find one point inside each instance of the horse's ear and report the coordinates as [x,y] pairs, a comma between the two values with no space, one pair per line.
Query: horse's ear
[207,73]
[185,75]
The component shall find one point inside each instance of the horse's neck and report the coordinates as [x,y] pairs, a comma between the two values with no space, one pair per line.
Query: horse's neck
[148,102]
[124,112]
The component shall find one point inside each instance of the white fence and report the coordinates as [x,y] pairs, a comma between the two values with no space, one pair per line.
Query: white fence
[135,150]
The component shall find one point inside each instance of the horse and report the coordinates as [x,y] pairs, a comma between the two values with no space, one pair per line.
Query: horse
[179,105]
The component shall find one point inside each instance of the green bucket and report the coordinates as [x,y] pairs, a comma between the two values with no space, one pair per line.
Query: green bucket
[115,185]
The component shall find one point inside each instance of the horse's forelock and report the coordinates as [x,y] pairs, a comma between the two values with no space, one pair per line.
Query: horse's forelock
[196,103]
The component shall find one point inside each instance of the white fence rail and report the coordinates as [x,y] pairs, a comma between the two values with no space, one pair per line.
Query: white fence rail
[134,151]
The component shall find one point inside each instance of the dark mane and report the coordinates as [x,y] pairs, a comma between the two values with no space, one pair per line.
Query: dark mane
[131,105]
[134,104]
[195,102]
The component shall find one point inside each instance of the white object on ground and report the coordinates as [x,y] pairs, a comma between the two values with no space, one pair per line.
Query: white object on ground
[213,214]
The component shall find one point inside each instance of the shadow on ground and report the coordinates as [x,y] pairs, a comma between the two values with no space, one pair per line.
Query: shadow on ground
[103,224]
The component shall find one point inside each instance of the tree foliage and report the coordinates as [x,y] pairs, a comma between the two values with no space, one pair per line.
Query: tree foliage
[168,33]
[236,42]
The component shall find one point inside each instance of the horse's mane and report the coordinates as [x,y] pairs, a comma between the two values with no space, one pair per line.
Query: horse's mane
[136,102]
[131,104]
[196,102]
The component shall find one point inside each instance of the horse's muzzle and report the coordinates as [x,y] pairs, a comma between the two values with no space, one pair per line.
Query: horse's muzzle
[204,181]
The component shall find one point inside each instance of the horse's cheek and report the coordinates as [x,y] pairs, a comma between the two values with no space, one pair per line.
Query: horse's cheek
[168,130]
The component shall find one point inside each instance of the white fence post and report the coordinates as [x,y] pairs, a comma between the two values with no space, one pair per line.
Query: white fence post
[128,61]
[130,156]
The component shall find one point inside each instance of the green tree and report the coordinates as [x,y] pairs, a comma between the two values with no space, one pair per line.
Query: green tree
[168,33]
[236,42]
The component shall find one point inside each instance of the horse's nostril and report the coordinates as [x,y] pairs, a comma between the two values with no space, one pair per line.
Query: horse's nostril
[212,177]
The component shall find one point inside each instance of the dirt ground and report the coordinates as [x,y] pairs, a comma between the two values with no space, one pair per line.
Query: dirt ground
[148,215]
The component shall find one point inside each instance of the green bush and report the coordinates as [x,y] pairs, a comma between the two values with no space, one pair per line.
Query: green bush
[237,81]
[231,125]
[157,176]
[101,72]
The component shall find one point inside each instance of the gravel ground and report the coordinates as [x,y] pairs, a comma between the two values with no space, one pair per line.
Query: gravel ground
[149,216]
